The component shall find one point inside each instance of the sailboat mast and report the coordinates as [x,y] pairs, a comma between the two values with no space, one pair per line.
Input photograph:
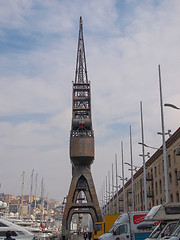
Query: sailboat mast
[35,195]
[22,195]
[42,199]
[30,197]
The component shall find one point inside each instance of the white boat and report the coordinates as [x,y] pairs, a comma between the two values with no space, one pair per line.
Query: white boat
[18,232]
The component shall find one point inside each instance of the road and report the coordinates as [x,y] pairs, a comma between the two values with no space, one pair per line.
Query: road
[77,238]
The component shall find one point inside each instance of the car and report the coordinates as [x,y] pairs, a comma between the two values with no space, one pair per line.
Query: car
[18,232]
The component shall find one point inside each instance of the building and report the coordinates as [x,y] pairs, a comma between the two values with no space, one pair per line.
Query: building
[154,180]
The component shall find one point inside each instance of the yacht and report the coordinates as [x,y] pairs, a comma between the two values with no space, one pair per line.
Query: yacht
[18,232]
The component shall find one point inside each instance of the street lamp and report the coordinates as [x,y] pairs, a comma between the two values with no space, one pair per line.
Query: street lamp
[106,197]
[134,168]
[132,180]
[167,133]
[163,136]
[163,140]
[117,197]
[156,148]
[171,105]
[123,177]
[112,189]
[143,155]
[109,192]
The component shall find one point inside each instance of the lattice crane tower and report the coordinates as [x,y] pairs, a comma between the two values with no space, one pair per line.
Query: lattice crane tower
[81,147]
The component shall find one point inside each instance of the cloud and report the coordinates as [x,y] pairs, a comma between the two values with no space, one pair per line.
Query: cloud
[124,44]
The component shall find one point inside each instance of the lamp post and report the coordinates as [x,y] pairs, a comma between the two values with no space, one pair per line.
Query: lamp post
[106,197]
[163,140]
[112,189]
[103,202]
[132,180]
[109,193]
[123,176]
[117,196]
[144,162]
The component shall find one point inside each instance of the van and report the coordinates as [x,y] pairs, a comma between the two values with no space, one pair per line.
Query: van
[129,226]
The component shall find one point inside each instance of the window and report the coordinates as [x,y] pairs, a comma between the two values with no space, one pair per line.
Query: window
[156,202]
[174,156]
[176,177]
[3,225]
[169,229]
[169,160]
[156,188]
[122,229]
[170,178]
[171,198]
[177,197]
[3,233]
[20,233]
[160,186]
[155,170]
[151,173]
[98,227]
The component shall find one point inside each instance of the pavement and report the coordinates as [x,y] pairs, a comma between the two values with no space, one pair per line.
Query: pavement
[78,238]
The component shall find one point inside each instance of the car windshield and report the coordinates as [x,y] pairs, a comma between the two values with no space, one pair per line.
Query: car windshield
[111,230]
[177,232]
[157,230]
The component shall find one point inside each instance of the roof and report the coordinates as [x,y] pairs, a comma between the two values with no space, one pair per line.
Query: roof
[168,211]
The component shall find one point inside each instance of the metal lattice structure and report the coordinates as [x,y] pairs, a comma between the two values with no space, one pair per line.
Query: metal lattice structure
[81,111]
[81,146]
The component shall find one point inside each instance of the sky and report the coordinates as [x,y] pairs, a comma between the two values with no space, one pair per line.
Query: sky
[125,41]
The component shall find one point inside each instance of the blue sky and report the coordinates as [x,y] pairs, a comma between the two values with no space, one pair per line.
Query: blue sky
[125,40]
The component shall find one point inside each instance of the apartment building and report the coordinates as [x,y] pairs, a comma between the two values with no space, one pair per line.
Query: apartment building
[154,180]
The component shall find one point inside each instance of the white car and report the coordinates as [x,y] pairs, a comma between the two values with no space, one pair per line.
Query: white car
[18,233]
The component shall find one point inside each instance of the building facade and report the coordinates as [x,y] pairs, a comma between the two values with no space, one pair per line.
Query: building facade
[154,180]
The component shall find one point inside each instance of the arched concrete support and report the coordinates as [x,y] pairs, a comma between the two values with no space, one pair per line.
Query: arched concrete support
[81,181]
